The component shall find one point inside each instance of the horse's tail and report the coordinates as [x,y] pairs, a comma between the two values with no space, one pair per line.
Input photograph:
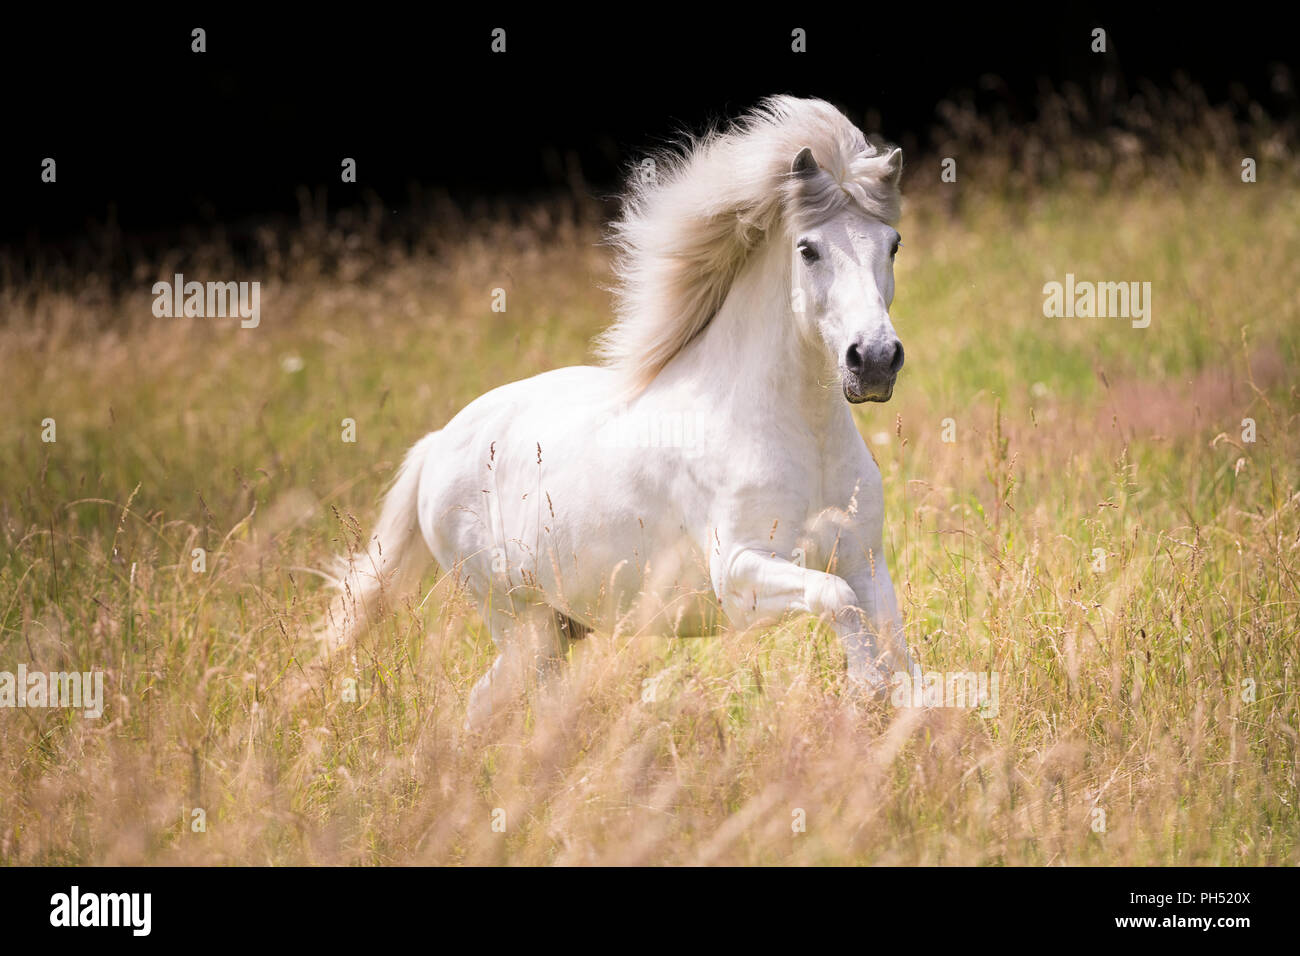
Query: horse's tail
[393,561]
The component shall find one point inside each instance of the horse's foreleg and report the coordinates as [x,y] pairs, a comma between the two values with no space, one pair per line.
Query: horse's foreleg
[878,637]
[756,585]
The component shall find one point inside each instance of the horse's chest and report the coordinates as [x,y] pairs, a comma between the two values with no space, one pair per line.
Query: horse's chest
[824,525]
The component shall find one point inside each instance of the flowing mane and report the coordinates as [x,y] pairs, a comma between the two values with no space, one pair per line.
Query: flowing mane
[688,226]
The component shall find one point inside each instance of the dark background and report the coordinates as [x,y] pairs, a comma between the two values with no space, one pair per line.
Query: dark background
[151,137]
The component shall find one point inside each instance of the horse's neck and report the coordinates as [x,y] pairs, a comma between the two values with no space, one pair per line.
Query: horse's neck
[755,354]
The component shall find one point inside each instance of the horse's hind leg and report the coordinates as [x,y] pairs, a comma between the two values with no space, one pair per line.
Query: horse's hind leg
[532,643]
[569,630]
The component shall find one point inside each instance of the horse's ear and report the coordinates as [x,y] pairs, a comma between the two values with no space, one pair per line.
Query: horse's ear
[804,164]
[894,165]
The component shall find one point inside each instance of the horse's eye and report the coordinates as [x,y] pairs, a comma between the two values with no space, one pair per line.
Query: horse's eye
[894,251]
[808,251]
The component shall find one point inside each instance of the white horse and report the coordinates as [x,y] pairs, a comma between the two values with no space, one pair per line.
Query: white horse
[712,461]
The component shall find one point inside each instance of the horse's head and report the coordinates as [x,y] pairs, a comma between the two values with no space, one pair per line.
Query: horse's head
[844,280]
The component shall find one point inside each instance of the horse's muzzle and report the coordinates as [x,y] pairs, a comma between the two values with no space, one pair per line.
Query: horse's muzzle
[869,371]
[858,395]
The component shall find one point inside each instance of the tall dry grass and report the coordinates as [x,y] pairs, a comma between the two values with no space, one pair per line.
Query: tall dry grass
[1147,708]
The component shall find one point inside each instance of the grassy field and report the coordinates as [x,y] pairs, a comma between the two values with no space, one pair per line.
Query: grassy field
[1097,533]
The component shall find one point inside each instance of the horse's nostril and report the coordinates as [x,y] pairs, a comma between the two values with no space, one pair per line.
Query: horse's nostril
[897,362]
[854,358]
